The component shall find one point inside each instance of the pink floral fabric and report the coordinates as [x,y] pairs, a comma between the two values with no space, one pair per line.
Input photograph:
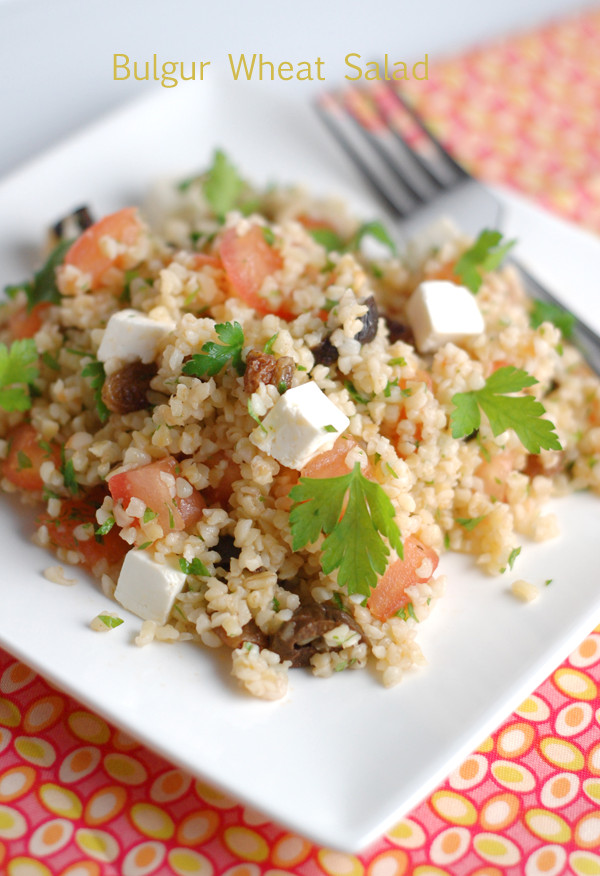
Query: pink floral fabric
[79,798]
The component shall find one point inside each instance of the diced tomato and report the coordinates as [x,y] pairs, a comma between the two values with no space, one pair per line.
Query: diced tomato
[86,254]
[26,323]
[26,453]
[389,596]
[494,474]
[201,260]
[75,512]
[220,494]
[444,272]
[331,463]
[145,483]
[248,261]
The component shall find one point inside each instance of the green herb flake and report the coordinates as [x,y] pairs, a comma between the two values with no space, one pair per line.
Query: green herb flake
[523,414]
[447,541]
[338,600]
[23,461]
[268,347]
[106,526]
[222,185]
[398,360]
[329,304]
[327,238]
[43,286]
[329,428]
[469,523]
[214,357]
[275,604]
[354,393]
[95,371]
[513,556]
[149,515]
[50,361]
[17,374]
[548,582]
[67,470]
[544,311]
[411,610]
[377,272]
[377,231]
[485,255]
[142,547]
[268,235]
[353,541]
[391,470]
[193,567]
[388,387]
[109,621]
[255,416]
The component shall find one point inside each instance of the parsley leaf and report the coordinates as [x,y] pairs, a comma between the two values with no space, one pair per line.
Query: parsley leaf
[17,369]
[110,621]
[469,523]
[222,185]
[95,370]
[355,394]
[106,526]
[327,238]
[353,542]
[67,470]
[513,556]
[544,311]
[43,286]
[377,231]
[214,357]
[485,255]
[195,567]
[523,414]
[268,347]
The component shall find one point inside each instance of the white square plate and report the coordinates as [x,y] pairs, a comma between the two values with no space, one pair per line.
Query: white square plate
[339,760]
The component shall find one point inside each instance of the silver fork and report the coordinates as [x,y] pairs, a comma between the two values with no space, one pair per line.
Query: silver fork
[417,187]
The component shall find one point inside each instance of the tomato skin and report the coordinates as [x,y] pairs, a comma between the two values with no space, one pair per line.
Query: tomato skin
[145,483]
[389,595]
[248,261]
[26,323]
[23,439]
[221,493]
[86,254]
[75,512]
[331,463]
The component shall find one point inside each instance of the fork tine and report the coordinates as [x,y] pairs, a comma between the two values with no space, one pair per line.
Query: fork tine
[328,115]
[399,98]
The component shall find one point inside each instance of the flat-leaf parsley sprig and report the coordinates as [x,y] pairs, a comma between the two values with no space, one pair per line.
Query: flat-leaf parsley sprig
[214,357]
[17,372]
[484,256]
[522,414]
[353,536]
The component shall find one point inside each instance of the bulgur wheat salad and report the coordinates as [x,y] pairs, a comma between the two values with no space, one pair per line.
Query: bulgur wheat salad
[259,427]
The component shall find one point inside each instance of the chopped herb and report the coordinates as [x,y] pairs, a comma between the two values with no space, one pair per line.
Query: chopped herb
[388,387]
[377,272]
[95,370]
[195,567]
[171,518]
[276,605]
[67,470]
[377,457]
[513,556]
[375,230]
[391,470]
[106,526]
[300,368]
[548,581]
[268,347]
[268,235]
[110,621]
[149,515]
[544,311]
[402,613]
[469,523]
[246,208]
[23,461]
[180,612]
[77,352]
[329,428]
[523,414]
[329,304]
[353,542]
[338,600]
[17,374]
[354,393]
[484,451]
[327,238]
[214,357]
[447,540]
[339,667]
[142,547]
[50,362]
[282,387]
[43,286]
[411,611]
[49,494]
[398,360]
[127,280]
[485,255]
[255,416]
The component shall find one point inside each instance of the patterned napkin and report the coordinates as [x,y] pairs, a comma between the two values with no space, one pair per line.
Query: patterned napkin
[79,798]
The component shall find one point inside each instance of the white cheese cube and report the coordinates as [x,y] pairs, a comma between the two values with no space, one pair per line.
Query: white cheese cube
[131,335]
[148,588]
[302,423]
[440,312]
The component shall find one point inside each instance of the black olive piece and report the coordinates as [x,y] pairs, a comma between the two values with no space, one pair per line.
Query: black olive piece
[472,435]
[369,321]
[325,353]
[78,220]
[398,331]
[227,551]
[302,636]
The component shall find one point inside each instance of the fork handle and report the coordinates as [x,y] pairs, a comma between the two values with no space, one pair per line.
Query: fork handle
[584,338]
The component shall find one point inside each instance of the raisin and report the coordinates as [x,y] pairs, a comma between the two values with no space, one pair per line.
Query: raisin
[398,331]
[124,391]
[266,368]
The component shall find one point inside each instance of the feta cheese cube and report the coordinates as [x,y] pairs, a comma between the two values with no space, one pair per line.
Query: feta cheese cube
[148,588]
[131,335]
[302,423]
[440,312]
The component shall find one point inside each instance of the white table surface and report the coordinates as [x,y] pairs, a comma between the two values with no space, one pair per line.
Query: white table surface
[56,57]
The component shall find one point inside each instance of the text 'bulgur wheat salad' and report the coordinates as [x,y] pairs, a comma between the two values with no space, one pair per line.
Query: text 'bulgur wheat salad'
[259,427]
